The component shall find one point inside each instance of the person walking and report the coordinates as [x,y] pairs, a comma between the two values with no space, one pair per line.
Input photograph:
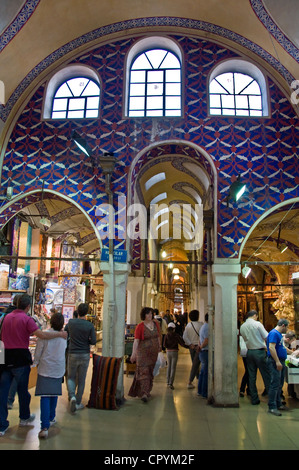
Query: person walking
[146,347]
[172,341]
[50,359]
[203,348]
[277,354]
[191,338]
[17,328]
[254,335]
[81,336]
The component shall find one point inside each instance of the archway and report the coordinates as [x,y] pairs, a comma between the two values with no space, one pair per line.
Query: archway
[174,182]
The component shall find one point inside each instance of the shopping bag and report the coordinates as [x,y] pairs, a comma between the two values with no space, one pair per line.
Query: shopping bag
[160,363]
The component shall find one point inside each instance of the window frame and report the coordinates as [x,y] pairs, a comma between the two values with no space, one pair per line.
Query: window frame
[61,76]
[246,68]
[141,47]
[85,98]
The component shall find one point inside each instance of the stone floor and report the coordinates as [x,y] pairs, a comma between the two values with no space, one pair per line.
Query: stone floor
[172,420]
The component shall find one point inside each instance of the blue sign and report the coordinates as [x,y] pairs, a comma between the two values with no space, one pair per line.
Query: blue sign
[119,256]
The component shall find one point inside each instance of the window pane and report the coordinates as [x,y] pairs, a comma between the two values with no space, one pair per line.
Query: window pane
[155,102]
[156,57]
[92,89]
[59,105]
[241,82]
[227,81]
[242,112]
[173,102]
[215,87]
[173,76]
[138,77]
[92,113]
[173,112]
[171,62]
[241,101]
[75,114]
[76,103]
[253,89]
[59,115]
[228,101]
[136,113]
[215,101]
[215,111]
[155,89]
[136,103]
[155,76]
[229,112]
[254,112]
[141,63]
[63,92]
[255,102]
[173,89]
[137,89]
[155,113]
[77,85]
[93,102]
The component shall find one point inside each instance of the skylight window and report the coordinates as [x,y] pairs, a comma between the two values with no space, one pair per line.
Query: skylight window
[154,180]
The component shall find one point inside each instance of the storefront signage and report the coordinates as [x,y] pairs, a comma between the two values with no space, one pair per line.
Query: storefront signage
[119,256]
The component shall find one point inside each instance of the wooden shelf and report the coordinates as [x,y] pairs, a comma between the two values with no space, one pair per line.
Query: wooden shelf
[13,290]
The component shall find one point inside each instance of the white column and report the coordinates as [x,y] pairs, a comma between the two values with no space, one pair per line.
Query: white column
[114,321]
[134,299]
[225,334]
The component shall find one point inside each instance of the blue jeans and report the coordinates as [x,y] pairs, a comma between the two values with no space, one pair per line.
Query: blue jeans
[76,375]
[21,375]
[47,411]
[12,392]
[276,384]
[203,374]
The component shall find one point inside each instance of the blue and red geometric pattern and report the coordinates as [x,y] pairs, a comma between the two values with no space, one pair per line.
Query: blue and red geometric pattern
[263,150]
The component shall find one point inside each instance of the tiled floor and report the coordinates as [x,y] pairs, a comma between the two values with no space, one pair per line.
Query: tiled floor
[171,420]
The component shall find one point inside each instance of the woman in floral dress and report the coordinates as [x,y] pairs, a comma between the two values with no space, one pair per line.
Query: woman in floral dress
[145,352]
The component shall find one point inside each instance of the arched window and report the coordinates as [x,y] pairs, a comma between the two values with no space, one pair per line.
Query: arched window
[155,84]
[237,88]
[78,97]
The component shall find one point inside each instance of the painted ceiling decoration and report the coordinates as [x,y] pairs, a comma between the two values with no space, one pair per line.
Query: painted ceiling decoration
[274,29]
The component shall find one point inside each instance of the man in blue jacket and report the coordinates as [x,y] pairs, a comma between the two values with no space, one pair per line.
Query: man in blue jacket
[277,354]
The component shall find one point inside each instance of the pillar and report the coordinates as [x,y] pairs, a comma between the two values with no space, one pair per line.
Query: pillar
[134,299]
[114,312]
[225,277]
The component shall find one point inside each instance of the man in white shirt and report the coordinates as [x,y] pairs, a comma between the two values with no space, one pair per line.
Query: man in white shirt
[254,335]
[191,338]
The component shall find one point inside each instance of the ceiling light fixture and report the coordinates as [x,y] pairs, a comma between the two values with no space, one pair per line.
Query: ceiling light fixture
[283,247]
[175,271]
[46,222]
[246,271]
[236,190]
[81,144]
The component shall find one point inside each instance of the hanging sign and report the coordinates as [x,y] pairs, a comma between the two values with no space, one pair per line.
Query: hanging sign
[119,256]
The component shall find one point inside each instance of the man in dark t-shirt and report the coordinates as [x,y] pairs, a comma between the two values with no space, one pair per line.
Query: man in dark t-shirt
[81,336]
